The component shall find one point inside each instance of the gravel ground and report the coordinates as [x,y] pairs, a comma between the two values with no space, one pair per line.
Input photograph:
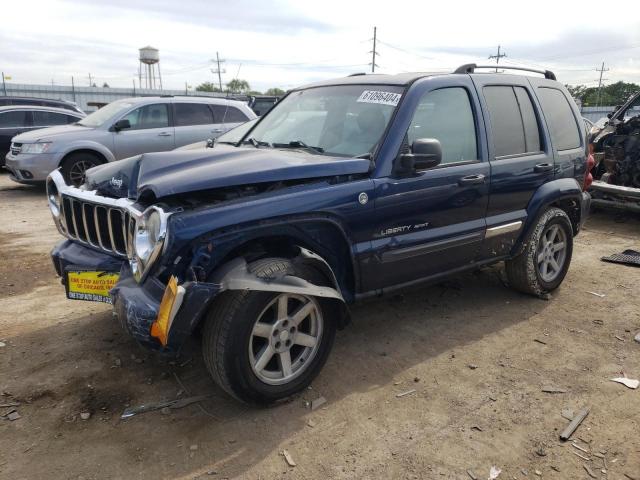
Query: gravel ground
[474,355]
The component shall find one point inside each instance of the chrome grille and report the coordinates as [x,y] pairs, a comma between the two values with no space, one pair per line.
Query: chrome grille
[99,226]
[16,148]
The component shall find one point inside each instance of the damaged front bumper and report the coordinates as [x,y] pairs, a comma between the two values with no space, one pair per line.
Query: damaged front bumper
[137,305]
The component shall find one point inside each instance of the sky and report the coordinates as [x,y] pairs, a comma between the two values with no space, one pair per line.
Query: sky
[280,43]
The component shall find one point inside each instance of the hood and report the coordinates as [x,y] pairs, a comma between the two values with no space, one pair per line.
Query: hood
[171,173]
[50,133]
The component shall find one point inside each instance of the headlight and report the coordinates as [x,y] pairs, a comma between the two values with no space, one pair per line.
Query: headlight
[40,147]
[150,231]
[53,197]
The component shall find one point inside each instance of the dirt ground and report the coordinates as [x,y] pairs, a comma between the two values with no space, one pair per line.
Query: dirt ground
[475,355]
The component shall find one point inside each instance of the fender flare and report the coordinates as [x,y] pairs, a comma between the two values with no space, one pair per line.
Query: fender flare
[545,195]
[235,275]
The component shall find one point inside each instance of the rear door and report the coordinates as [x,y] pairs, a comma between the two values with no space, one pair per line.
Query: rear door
[151,131]
[193,122]
[432,222]
[520,154]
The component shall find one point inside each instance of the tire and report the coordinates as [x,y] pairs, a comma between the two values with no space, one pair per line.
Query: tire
[232,350]
[75,165]
[525,273]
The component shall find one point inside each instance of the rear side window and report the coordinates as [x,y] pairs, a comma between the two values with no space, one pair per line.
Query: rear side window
[228,114]
[13,119]
[46,119]
[446,115]
[557,111]
[192,114]
[513,120]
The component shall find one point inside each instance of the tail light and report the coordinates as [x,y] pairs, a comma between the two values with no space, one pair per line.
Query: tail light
[588,178]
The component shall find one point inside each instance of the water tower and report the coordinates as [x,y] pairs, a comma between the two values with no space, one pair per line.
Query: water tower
[149,68]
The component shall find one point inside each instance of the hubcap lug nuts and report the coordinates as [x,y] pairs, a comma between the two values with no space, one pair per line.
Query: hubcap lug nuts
[276,332]
[278,344]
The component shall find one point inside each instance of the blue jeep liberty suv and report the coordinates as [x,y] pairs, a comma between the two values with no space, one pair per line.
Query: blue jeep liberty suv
[346,189]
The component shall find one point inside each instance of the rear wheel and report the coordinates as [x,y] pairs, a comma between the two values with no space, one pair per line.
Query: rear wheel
[75,165]
[543,264]
[261,347]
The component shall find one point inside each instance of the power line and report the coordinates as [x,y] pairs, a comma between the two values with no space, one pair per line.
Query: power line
[498,56]
[404,51]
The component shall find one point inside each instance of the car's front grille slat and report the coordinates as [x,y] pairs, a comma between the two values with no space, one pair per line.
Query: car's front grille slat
[96,225]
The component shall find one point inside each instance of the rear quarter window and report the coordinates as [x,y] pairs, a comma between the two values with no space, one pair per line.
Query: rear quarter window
[562,124]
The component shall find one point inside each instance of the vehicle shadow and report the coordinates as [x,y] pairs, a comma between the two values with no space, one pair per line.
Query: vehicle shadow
[97,368]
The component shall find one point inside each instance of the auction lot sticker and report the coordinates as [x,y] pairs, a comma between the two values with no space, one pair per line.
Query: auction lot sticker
[377,96]
[91,286]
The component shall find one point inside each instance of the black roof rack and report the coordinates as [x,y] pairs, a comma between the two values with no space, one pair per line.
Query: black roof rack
[471,67]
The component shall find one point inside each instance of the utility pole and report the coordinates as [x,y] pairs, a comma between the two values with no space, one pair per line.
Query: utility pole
[4,85]
[498,56]
[373,52]
[219,71]
[73,89]
[133,80]
[601,70]
[90,81]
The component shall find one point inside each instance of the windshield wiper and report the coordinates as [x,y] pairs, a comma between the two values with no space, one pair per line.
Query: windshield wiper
[257,143]
[299,144]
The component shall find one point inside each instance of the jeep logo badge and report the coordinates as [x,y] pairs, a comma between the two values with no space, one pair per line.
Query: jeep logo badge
[363,198]
[116,182]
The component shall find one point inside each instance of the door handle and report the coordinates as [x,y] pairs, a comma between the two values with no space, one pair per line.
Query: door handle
[471,180]
[164,134]
[543,167]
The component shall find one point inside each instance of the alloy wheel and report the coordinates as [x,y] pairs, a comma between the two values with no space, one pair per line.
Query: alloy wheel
[552,253]
[285,338]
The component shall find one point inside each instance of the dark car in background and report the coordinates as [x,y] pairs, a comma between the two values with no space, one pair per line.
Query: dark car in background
[39,102]
[261,104]
[17,119]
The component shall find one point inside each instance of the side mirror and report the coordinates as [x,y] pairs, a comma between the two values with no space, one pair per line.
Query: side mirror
[425,153]
[121,125]
[211,142]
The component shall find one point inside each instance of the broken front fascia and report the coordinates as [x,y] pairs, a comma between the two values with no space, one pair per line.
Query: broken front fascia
[235,275]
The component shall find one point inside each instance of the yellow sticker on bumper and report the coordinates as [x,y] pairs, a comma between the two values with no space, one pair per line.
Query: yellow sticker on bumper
[91,286]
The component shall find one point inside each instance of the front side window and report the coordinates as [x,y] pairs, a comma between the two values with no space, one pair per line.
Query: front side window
[47,119]
[343,120]
[100,116]
[562,124]
[149,116]
[192,114]
[17,118]
[446,115]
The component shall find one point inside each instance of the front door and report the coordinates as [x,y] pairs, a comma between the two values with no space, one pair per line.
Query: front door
[433,221]
[150,131]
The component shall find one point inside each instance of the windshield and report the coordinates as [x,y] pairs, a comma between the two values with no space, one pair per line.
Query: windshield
[345,120]
[105,113]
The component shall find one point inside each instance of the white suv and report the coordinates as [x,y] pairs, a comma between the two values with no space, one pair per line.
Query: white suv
[119,130]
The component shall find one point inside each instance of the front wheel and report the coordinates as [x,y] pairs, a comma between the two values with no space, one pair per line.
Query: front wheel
[543,264]
[261,347]
[74,167]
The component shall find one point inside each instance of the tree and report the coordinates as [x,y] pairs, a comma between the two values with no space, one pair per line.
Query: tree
[275,91]
[610,95]
[105,85]
[238,86]
[207,87]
